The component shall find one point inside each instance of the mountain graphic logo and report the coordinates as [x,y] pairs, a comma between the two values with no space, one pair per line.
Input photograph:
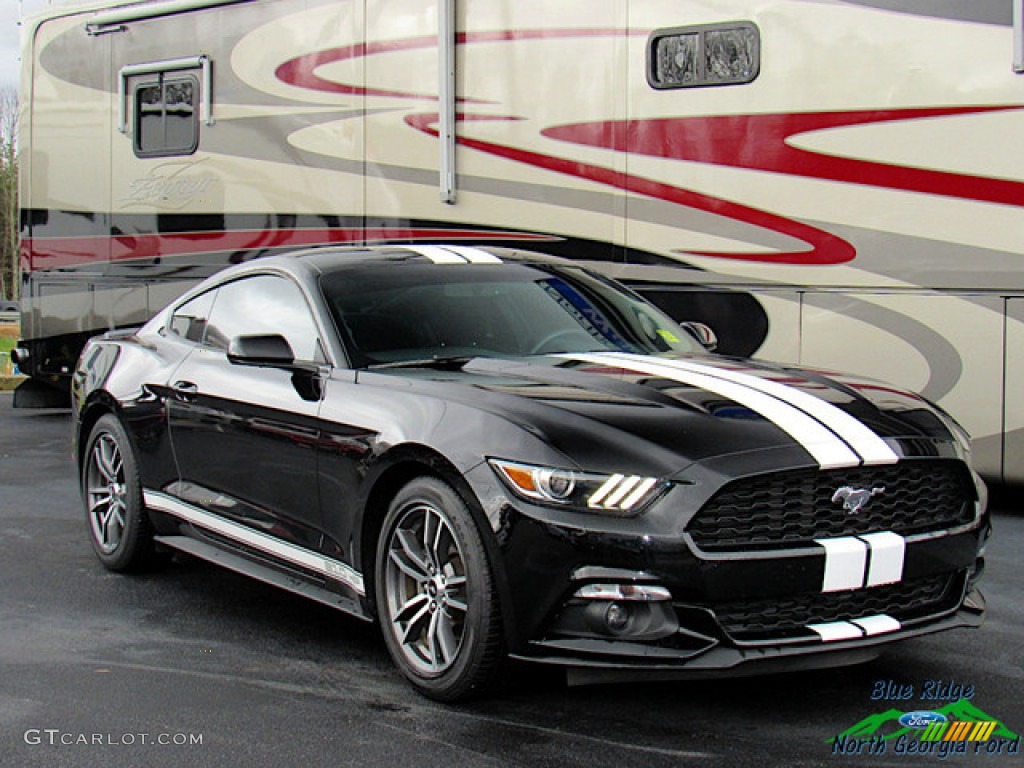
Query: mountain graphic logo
[886,725]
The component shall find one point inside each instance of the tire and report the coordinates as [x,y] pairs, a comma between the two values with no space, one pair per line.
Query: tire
[119,530]
[436,600]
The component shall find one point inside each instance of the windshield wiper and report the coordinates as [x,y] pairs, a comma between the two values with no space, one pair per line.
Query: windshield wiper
[441,361]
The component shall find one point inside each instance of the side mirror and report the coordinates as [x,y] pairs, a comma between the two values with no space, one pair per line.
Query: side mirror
[701,333]
[270,351]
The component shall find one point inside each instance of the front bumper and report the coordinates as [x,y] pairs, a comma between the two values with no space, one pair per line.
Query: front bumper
[740,612]
[715,657]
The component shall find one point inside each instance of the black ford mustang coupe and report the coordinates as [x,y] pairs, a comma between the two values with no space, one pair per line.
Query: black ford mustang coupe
[495,454]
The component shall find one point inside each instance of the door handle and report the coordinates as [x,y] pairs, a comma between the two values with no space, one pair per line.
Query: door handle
[185,390]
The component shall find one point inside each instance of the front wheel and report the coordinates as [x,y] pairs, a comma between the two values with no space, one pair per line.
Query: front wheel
[437,603]
[119,530]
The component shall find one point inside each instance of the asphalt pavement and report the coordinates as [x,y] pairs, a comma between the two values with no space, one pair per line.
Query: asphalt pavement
[196,666]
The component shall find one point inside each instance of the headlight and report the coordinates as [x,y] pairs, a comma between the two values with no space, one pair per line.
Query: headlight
[612,494]
[962,436]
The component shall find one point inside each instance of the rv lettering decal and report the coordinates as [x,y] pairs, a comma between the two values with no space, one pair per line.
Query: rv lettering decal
[168,186]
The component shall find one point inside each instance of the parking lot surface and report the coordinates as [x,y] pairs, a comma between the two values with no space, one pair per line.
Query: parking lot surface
[196,666]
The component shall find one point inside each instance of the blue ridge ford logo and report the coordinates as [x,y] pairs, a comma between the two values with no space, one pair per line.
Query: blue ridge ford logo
[921,719]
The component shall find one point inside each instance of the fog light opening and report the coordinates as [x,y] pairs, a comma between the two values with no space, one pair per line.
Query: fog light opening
[618,620]
[617,617]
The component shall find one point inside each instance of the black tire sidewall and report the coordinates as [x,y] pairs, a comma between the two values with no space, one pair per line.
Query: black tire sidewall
[135,546]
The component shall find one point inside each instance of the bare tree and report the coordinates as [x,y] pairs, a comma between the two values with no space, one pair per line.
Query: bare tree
[8,192]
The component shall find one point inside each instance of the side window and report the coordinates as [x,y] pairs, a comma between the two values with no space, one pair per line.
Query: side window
[261,305]
[703,55]
[166,116]
[190,319]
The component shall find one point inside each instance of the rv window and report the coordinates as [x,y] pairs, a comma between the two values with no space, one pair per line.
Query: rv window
[709,54]
[167,116]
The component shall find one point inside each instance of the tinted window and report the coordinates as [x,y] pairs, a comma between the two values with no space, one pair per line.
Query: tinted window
[190,319]
[415,311]
[262,305]
[167,116]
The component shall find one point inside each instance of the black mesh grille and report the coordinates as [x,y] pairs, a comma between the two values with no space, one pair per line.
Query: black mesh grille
[776,618]
[790,508]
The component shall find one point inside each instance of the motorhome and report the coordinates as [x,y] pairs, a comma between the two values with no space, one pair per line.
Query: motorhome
[834,183]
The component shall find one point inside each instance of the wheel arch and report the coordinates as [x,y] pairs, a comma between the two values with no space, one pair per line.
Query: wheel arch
[100,404]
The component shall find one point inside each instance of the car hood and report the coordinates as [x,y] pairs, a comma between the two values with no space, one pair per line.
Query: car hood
[688,409]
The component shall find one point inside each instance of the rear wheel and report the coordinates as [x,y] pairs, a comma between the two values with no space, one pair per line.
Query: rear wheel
[120,533]
[436,599]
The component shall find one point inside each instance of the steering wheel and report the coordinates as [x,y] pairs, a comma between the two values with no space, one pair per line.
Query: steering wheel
[540,346]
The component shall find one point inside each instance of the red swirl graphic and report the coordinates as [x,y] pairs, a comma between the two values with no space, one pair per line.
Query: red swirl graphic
[825,248]
[752,142]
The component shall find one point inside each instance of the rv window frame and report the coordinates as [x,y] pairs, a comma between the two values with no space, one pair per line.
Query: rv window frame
[202,63]
[701,31]
[161,80]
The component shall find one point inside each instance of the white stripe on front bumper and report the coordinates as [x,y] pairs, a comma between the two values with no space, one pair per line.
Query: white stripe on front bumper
[888,550]
[878,625]
[848,565]
[845,560]
[837,630]
[867,626]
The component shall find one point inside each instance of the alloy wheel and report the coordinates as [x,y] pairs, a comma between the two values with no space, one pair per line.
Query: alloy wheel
[426,589]
[107,492]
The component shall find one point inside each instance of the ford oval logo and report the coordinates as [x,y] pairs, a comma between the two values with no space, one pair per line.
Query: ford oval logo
[921,719]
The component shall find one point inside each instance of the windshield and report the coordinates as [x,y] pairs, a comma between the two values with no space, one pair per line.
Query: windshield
[390,313]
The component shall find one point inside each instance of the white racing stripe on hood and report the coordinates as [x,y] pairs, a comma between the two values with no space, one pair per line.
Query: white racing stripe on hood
[872,449]
[827,449]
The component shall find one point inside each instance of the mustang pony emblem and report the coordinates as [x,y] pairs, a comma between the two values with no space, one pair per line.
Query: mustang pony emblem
[855,499]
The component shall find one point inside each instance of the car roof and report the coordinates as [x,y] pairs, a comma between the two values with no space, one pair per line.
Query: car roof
[333,258]
[441,253]
[306,265]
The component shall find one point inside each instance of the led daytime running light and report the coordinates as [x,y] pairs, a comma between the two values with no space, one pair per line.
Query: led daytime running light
[620,492]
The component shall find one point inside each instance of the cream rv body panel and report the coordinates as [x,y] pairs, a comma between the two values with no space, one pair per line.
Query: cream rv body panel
[836,184]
